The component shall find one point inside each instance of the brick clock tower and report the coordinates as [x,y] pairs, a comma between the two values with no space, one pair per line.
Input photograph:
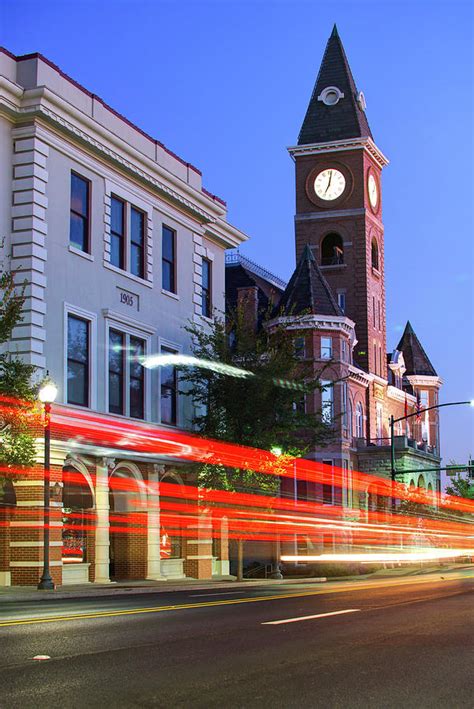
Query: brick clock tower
[339,203]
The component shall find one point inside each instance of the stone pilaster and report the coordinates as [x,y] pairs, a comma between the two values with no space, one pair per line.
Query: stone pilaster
[28,240]
[198,560]
[153,533]
[102,542]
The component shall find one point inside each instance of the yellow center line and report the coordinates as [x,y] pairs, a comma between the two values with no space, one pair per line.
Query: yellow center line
[204,604]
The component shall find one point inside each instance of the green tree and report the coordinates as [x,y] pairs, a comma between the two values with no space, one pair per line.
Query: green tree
[461,486]
[17,394]
[253,399]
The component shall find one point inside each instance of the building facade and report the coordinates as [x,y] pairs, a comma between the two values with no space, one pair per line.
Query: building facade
[120,246]
[335,300]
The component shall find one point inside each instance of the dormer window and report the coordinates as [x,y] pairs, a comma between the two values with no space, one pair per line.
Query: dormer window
[332,250]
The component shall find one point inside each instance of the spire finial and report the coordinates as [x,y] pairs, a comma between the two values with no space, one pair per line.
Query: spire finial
[334,32]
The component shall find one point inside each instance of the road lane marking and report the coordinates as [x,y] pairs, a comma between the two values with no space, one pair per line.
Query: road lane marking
[231,601]
[310,617]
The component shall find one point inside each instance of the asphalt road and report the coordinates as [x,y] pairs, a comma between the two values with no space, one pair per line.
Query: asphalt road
[406,643]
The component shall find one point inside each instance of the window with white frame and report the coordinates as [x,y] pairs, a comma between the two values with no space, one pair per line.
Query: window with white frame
[345,407]
[169,390]
[425,422]
[79,217]
[326,347]
[126,381]
[359,420]
[379,421]
[344,351]
[327,401]
[78,360]
[127,237]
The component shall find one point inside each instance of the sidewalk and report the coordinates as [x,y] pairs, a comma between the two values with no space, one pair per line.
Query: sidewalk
[30,593]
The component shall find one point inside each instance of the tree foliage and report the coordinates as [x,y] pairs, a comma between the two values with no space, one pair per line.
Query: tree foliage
[17,394]
[260,407]
[461,486]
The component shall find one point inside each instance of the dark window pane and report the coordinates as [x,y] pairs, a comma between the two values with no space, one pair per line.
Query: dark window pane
[137,378]
[116,251]
[79,213]
[169,391]
[168,276]
[79,195]
[168,244]
[116,216]
[137,224]
[78,232]
[136,399]
[136,260]
[116,372]
[206,288]
[78,361]
[117,233]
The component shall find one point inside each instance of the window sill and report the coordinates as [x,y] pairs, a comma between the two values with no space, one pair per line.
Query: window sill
[126,274]
[82,254]
[170,294]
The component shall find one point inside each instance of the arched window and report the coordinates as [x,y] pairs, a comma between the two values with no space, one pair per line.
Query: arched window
[359,420]
[332,250]
[421,481]
[375,254]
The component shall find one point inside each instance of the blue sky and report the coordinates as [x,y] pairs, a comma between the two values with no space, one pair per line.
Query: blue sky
[226,84]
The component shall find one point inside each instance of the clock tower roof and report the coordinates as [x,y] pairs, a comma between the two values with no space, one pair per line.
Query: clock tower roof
[416,359]
[308,291]
[336,110]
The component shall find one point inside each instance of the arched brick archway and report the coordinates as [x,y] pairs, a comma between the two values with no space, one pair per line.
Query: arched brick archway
[128,522]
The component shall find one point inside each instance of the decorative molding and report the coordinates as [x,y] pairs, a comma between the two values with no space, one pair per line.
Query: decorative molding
[424,380]
[364,143]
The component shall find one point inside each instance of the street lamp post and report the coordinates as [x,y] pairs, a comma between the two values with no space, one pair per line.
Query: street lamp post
[47,395]
[393,421]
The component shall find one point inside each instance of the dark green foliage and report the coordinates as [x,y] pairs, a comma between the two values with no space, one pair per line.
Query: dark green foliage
[252,410]
[16,391]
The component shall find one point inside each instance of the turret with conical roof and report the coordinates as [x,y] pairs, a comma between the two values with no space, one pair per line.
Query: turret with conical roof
[308,291]
[416,359]
[336,108]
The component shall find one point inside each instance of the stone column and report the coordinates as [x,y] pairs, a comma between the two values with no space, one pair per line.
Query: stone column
[102,541]
[153,534]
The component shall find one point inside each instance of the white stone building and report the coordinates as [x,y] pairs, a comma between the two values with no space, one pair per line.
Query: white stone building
[120,245]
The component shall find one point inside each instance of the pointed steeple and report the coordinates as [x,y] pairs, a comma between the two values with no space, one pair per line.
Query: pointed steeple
[308,290]
[335,114]
[416,359]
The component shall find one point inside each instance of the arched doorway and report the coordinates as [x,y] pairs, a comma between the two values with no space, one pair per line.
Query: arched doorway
[78,524]
[172,541]
[128,523]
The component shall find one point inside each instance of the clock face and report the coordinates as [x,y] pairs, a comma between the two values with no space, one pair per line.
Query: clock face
[329,184]
[373,191]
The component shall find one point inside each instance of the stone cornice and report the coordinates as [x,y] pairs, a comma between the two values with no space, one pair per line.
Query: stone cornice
[321,322]
[339,146]
[47,109]
[424,380]
[360,376]
[399,395]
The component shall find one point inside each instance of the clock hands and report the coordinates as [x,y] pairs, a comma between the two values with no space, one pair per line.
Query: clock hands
[329,183]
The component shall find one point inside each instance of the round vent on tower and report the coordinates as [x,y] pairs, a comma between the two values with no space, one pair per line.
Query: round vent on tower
[330,95]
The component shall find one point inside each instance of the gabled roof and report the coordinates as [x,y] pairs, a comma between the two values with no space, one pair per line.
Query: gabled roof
[344,119]
[308,291]
[416,359]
